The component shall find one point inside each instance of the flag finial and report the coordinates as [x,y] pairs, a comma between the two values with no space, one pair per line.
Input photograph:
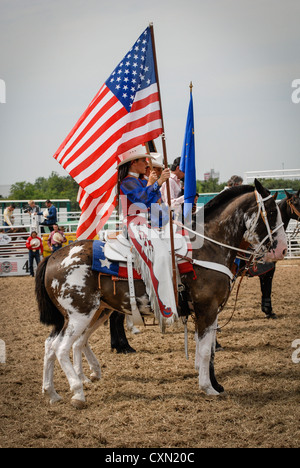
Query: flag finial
[191,86]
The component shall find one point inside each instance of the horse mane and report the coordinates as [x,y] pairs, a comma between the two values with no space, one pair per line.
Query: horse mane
[225,197]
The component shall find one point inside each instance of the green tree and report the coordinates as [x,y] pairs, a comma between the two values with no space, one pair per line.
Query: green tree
[53,187]
[21,191]
[281,184]
[210,186]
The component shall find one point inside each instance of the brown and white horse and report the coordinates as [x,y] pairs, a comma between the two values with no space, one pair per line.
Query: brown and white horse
[69,297]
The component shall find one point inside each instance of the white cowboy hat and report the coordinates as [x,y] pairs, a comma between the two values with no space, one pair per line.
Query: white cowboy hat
[157,160]
[57,237]
[35,243]
[4,239]
[135,153]
[46,213]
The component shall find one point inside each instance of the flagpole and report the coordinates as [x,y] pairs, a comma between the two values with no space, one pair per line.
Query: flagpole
[166,165]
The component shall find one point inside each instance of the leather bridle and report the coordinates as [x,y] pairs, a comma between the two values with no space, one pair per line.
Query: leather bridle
[293,208]
[261,212]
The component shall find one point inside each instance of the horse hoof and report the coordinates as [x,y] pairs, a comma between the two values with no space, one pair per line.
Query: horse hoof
[78,404]
[95,378]
[54,397]
[55,400]
[271,315]
[126,350]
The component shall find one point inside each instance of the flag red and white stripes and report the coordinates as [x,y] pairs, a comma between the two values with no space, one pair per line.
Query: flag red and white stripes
[124,113]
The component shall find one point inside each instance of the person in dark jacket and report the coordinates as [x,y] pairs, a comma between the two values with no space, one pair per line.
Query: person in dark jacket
[50,215]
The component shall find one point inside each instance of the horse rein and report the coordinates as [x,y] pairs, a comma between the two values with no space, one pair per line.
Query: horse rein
[261,212]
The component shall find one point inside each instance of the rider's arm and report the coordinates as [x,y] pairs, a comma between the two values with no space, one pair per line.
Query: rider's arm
[137,193]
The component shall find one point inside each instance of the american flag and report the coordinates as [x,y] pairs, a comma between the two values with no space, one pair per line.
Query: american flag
[124,113]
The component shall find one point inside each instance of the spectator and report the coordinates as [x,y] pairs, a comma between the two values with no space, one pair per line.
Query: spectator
[35,245]
[33,210]
[175,186]
[56,238]
[235,181]
[50,215]
[194,209]
[8,216]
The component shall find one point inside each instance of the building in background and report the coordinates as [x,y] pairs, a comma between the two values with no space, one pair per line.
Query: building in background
[212,175]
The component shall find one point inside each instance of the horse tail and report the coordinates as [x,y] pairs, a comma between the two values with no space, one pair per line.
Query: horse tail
[49,313]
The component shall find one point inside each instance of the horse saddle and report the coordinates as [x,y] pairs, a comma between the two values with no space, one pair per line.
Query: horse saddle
[118,248]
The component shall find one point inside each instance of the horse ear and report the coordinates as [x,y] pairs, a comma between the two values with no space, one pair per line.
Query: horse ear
[261,190]
[288,195]
[275,196]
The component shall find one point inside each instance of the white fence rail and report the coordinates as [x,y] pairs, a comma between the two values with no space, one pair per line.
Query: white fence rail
[291,174]
[293,238]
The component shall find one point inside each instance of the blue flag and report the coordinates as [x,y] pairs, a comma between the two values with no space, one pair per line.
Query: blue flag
[187,162]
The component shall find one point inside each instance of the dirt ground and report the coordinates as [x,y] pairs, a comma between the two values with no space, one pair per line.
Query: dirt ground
[151,399]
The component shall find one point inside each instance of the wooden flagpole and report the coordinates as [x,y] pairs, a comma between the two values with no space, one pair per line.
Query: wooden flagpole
[166,165]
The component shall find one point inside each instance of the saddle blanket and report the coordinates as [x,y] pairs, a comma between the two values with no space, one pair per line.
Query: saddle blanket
[119,269]
[104,265]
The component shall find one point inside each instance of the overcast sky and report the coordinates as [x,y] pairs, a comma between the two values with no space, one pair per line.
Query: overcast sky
[241,55]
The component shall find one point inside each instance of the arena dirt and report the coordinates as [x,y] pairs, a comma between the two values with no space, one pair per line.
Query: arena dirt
[151,398]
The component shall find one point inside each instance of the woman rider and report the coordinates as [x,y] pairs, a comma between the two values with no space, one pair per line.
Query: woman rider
[140,209]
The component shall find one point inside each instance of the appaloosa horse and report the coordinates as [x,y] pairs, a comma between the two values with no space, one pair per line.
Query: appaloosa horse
[70,300]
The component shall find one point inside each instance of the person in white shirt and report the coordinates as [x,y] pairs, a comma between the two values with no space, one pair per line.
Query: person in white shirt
[8,216]
[175,186]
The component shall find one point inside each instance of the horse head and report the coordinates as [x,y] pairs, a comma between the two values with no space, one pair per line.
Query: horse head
[293,202]
[264,226]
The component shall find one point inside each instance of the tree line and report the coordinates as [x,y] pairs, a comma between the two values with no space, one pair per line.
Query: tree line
[58,187]
[53,188]
[213,185]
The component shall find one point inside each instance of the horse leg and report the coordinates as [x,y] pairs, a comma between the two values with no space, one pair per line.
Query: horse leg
[48,373]
[204,360]
[118,337]
[219,388]
[266,290]
[62,345]
[81,346]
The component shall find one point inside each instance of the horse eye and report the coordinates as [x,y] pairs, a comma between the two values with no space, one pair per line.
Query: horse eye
[273,219]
